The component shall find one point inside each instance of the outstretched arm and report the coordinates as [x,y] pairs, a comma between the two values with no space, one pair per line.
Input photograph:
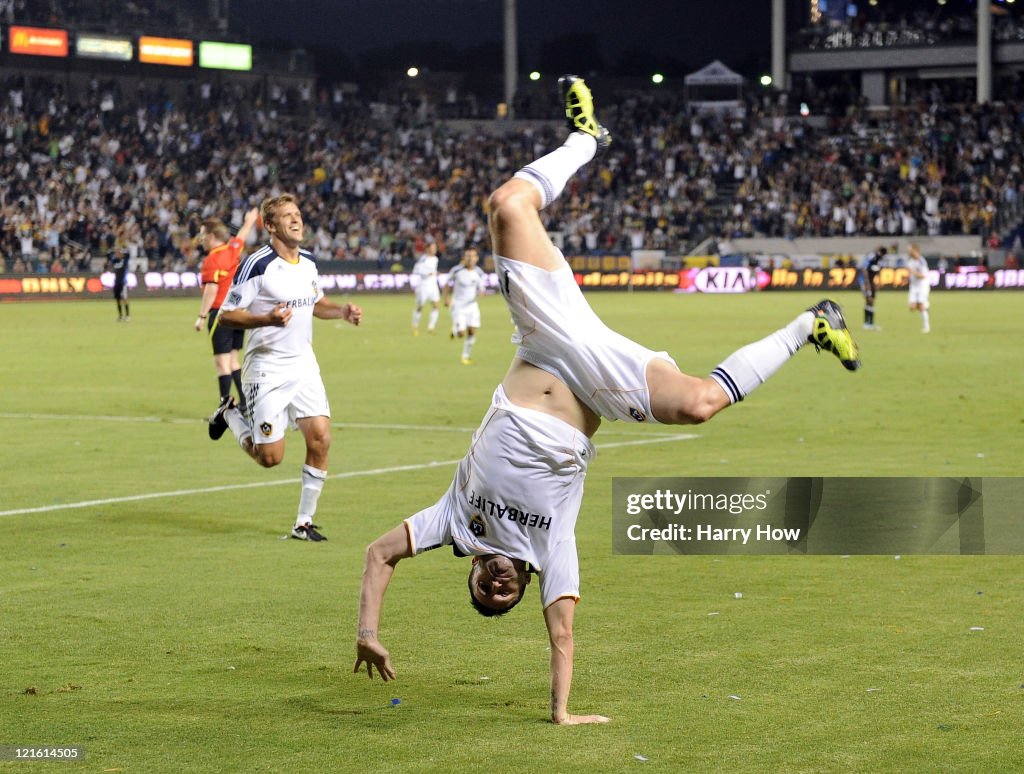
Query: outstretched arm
[381,557]
[247,223]
[559,616]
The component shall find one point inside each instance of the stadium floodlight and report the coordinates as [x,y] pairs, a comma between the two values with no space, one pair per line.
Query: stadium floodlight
[412,72]
[766,80]
[534,75]
[657,78]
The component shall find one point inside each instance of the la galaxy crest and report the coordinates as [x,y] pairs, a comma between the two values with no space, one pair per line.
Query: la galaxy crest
[477,526]
[266,428]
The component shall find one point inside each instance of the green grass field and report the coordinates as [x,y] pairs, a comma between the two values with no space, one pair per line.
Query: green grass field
[151,614]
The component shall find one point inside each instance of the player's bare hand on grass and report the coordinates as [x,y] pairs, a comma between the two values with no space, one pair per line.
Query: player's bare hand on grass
[581,720]
[374,655]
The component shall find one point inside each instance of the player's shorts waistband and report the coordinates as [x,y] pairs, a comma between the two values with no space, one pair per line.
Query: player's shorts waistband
[555,431]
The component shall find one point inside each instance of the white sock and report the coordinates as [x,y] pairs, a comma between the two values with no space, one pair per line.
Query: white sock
[416,318]
[312,485]
[432,322]
[924,319]
[239,426]
[750,366]
[550,173]
[467,346]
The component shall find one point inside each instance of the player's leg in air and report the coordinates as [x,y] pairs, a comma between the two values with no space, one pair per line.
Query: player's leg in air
[518,233]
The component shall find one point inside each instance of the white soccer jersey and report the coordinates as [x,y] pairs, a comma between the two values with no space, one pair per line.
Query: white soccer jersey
[920,287]
[426,267]
[466,284]
[517,493]
[263,281]
[918,265]
[427,290]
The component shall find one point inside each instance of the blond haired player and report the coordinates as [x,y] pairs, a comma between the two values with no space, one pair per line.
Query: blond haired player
[276,294]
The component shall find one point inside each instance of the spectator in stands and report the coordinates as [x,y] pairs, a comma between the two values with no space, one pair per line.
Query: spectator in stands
[942,169]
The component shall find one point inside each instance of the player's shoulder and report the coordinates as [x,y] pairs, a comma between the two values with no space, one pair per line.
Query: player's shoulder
[255,264]
[307,255]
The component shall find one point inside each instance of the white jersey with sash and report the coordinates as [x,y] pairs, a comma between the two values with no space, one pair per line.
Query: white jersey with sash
[517,493]
[264,281]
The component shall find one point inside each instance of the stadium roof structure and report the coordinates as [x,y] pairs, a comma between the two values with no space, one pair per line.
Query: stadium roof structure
[714,87]
[714,74]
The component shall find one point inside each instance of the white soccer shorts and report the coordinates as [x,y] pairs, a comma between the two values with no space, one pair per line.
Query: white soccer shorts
[559,332]
[466,316]
[427,292]
[919,296]
[274,406]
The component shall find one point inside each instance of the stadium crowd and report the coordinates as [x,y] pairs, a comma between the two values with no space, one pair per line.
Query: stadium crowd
[101,171]
[876,26]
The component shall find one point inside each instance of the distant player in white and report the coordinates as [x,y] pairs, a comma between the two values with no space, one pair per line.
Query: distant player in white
[920,286]
[516,495]
[465,284]
[427,290]
[276,294]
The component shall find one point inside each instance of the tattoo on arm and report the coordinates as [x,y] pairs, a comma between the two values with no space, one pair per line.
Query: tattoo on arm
[367,634]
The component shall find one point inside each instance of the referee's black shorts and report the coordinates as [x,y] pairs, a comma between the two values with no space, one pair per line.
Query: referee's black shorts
[223,338]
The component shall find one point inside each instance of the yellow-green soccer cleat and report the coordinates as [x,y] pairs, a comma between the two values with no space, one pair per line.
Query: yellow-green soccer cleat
[579,110]
[828,332]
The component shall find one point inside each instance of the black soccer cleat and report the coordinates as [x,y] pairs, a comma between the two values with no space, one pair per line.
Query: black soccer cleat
[579,110]
[308,532]
[829,332]
[218,424]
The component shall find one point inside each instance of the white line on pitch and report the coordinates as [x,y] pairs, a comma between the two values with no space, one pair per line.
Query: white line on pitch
[354,425]
[96,418]
[254,485]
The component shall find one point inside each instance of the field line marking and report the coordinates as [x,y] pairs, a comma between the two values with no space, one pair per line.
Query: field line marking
[215,489]
[258,484]
[354,425]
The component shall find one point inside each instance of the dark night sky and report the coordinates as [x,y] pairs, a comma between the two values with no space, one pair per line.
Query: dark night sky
[691,32]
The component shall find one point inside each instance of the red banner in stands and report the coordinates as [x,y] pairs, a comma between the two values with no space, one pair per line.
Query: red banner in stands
[38,41]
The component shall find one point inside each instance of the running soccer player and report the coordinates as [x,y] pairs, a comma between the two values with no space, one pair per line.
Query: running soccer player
[920,287]
[465,284]
[276,294]
[516,495]
[427,290]
[217,272]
